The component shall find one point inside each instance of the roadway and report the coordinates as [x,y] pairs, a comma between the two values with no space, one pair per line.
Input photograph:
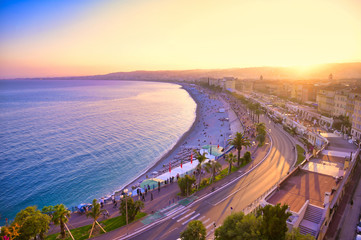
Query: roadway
[214,208]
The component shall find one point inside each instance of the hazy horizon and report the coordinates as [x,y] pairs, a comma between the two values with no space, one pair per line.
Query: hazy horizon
[78,38]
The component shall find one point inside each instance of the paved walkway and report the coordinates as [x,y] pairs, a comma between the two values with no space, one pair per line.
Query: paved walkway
[168,193]
[343,224]
[165,209]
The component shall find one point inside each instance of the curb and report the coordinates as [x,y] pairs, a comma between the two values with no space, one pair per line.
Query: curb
[135,233]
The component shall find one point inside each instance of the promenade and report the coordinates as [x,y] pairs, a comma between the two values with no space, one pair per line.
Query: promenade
[208,130]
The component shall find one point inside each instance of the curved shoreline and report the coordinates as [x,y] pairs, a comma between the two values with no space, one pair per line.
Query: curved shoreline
[169,151]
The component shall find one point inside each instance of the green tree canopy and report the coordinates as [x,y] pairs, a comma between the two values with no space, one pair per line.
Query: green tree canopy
[201,158]
[60,217]
[239,226]
[239,141]
[194,231]
[230,158]
[274,226]
[261,133]
[185,184]
[32,223]
[213,167]
[95,213]
[296,235]
[247,157]
[134,207]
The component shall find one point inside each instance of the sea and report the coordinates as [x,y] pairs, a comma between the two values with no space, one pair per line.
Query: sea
[70,141]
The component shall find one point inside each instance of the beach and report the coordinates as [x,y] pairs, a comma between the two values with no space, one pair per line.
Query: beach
[214,124]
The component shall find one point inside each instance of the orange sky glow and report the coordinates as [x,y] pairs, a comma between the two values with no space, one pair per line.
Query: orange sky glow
[113,36]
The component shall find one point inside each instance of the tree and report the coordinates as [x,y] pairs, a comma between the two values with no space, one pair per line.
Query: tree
[261,128]
[194,231]
[261,133]
[296,235]
[238,142]
[257,110]
[60,217]
[230,158]
[274,226]
[239,226]
[251,108]
[133,207]
[185,184]
[247,157]
[201,158]
[30,223]
[213,167]
[95,213]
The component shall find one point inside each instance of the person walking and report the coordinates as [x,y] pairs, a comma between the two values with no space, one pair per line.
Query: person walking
[151,196]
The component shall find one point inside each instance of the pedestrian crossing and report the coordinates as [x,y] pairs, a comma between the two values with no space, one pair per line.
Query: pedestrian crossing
[188,215]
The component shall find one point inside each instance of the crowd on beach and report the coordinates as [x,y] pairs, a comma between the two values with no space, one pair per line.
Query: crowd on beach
[209,104]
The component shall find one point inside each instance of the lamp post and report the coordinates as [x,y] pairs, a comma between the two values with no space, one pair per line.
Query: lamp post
[126,205]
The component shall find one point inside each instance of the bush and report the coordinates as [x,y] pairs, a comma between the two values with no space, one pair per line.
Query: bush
[247,157]
[204,182]
[185,184]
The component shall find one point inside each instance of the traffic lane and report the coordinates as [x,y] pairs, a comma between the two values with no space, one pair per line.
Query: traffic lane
[253,184]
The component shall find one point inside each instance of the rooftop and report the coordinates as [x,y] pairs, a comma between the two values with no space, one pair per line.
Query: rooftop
[301,186]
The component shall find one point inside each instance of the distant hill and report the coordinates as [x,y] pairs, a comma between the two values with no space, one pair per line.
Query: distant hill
[319,72]
[338,70]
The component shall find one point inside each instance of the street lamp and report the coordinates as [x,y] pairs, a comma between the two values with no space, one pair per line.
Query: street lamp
[126,205]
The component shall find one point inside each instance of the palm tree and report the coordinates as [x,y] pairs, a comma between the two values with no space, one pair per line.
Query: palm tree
[230,158]
[261,133]
[213,167]
[258,111]
[201,158]
[95,213]
[60,217]
[238,142]
[261,128]
[251,108]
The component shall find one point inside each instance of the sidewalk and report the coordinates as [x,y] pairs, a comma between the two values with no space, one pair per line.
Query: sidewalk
[162,200]
[343,224]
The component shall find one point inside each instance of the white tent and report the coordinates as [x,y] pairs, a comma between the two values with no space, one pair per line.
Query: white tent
[208,156]
[186,169]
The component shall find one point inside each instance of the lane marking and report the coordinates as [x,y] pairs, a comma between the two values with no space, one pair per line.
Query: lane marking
[191,218]
[209,225]
[186,216]
[206,221]
[181,214]
[174,210]
[167,208]
[201,218]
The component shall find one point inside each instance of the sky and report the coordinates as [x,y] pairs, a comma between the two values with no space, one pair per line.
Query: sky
[86,37]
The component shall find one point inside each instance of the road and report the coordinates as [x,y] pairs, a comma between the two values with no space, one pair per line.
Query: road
[213,209]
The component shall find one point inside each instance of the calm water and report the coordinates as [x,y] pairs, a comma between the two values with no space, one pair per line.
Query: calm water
[71,141]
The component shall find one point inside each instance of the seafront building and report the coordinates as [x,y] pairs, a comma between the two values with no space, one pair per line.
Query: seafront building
[314,189]
[323,102]
[226,83]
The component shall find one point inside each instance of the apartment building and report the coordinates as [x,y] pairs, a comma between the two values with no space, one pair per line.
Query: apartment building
[325,100]
[356,119]
[340,102]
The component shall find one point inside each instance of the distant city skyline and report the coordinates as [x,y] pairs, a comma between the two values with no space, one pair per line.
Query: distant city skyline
[73,38]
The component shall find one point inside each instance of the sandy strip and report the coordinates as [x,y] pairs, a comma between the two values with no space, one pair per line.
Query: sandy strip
[206,129]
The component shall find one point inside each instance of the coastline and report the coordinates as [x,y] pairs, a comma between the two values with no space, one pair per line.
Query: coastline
[163,157]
